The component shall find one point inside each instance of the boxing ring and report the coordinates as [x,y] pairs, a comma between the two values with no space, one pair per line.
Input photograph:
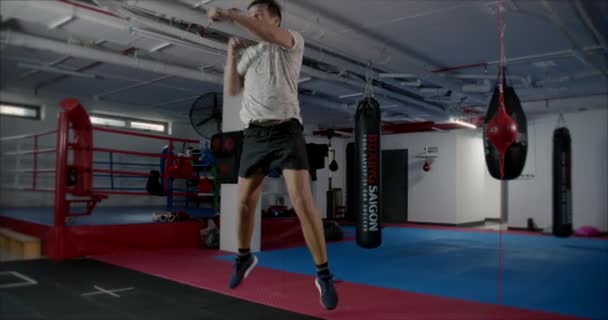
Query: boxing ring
[70,191]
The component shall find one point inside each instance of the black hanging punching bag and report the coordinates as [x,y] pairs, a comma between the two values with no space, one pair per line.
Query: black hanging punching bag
[562,183]
[515,155]
[368,192]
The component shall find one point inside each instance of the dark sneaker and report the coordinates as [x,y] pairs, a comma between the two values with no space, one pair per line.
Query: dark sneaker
[327,292]
[242,268]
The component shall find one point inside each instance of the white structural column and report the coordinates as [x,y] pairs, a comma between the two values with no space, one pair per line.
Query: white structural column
[229,192]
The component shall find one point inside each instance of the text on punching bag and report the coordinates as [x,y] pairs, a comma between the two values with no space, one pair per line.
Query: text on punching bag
[370,187]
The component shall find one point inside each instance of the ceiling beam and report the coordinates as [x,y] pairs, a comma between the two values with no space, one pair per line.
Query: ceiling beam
[19,39]
[410,102]
[582,11]
[421,67]
[577,47]
[100,96]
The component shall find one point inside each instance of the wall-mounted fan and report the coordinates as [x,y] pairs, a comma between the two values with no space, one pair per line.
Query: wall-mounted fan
[206,114]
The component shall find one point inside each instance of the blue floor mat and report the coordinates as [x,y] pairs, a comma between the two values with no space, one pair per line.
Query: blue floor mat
[567,276]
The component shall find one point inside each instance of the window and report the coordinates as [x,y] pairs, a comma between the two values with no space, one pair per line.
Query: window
[158,127]
[129,123]
[105,121]
[20,110]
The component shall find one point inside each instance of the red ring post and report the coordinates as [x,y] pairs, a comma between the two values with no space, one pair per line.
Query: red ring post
[58,251]
[35,175]
[63,129]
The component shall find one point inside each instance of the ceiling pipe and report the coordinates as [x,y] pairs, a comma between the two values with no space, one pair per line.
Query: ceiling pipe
[120,19]
[562,79]
[548,99]
[50,64]
[578,49]
[180,10]
[316,32]
[179,36]
[461,67]
[57,70]
[326,104]
[527,82]
[54,81]
[63,7]
[184,11]
[410,102]
[19,39]
[478,88]
[343,63]
[86,7]
[519,60]
[407,61]
[413,127]
[99,96]
[582,11]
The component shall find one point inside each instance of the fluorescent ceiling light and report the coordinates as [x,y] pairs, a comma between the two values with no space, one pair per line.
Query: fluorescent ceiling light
[397,75]
[108,122]
[60,22]
[201,3]
[416,83]
[351,95]
[463,123]
[304,79]
[160,47]
[147,126]
[17,111]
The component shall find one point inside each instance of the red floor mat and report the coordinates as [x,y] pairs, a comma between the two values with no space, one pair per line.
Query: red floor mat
[297,292]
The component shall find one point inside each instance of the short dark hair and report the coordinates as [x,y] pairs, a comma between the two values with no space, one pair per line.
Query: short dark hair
[273,7]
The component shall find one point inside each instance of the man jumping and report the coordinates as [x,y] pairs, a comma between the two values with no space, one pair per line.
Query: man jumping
[267,76]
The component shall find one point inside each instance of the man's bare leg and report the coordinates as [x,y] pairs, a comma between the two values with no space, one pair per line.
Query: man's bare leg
[249,193]
[298,186]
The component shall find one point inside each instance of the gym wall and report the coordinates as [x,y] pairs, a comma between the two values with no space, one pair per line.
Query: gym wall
[533,198]
[10,126]
[338,178]
[477,193]
[458,189]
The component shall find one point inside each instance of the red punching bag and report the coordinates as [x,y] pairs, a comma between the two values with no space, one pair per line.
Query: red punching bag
[426,167]
[502,132]
[205,185]
[505,135]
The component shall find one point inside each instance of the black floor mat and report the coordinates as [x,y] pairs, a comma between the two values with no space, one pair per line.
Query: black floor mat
[87,289]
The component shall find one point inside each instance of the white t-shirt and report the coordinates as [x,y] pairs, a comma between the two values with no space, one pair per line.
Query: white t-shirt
[271,76]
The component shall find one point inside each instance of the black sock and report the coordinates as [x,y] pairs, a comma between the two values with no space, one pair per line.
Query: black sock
[323,269]
[244,253]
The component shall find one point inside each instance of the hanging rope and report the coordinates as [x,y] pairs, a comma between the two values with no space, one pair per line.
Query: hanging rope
[561,121]
[368,90]
[501,105]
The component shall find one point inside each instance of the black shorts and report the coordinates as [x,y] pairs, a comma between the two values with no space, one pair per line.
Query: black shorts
[278,147]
